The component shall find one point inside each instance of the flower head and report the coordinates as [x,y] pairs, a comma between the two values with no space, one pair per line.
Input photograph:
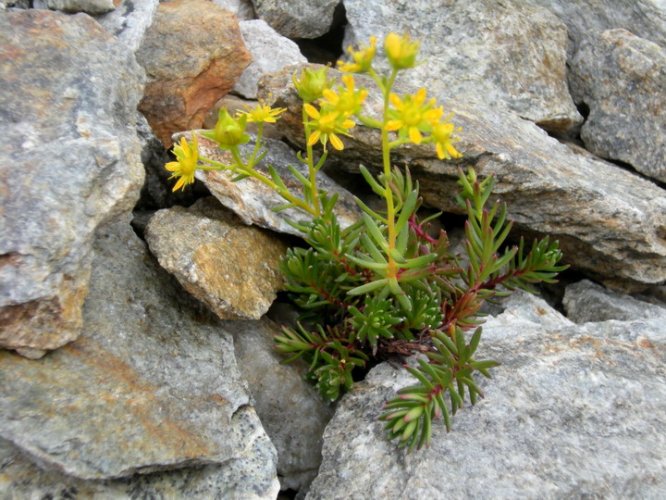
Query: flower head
[262,113]
[229,131]
[311,83]
[401,51]
[362,58]
[442,134]
[412,115]
[347,100]
[186,165]
[326,125]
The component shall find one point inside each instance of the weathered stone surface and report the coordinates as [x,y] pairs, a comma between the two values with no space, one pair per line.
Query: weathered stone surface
[242,8]
[573,411]
[92,7]
[255,203]
[188,69]
[622,80]
[644,18]
[586,301]
[609,222]
[297,18]
[233,268]
[70,161]
[129,21]
[150,385]
[21,478]
[506,54]
[291,410]
[270,52]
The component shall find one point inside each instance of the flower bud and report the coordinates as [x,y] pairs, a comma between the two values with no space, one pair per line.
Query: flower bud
[401,51]
[311,84]
[228,131]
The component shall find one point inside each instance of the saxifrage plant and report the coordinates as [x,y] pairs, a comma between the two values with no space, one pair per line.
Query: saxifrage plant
[385,285]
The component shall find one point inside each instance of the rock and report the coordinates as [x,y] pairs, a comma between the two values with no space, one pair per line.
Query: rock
[70,161]
[573,410]
[242,8]
[291,410]
[586,301]
[188,69]
[232,268]
[297,18]
[129,21]
[92,7]
[622,79]
[498,54]
[644,18]
[21,478]
[255,203]
[270,52]
[608,221]
[152,384]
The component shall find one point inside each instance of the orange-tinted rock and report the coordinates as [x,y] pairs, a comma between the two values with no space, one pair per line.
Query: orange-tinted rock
[193,55]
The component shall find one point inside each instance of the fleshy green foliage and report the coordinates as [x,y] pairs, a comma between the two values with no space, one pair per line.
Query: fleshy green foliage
[386,286]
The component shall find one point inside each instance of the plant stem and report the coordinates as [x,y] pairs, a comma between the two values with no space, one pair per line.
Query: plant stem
[312,172]
[392,268]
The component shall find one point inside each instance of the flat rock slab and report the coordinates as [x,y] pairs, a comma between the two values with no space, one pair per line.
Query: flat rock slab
[151,384]
[256,203]
[69,160]
[573,411]
[609,222]
[500,54]
[297,18]
[231,267]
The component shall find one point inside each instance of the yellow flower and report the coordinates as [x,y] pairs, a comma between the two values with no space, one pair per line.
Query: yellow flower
[228,131]
[326,125]
[362,58]
[186,166]
[347,101]
[262,113]
[412,115]
[311,84]
[401,51]
[442,133]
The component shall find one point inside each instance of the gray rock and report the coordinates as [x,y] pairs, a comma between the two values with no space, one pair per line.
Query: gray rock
[586,301]
[129,21]
[622,79]
[70,161]
[291,410]
[22,478]
[242,8]
[92,7]
[573,411]
[644,18]
[150,385]
[270,52]
[255,203]
[609,222]
[507,54]
[297,18]
[232,268]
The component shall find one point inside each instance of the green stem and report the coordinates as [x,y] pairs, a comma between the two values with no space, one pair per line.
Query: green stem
[312,171]
[392,268]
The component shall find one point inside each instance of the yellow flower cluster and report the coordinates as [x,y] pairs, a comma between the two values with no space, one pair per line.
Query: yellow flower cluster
[336,107]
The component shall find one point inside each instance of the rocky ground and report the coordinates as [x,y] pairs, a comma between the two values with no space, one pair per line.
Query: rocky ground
[136,324]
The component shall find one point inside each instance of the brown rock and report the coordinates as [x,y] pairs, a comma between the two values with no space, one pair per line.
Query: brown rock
[231,267]
[193,55]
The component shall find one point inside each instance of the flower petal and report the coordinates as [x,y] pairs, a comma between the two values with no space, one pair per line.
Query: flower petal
[415,135]
[336,142]
[314,137]
[311,111]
